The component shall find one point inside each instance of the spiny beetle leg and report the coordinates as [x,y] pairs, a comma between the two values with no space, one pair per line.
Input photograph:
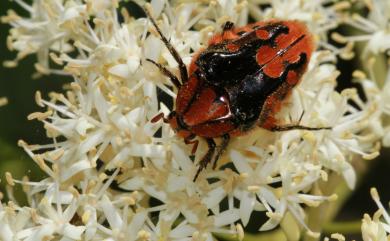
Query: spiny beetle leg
[167,73]
[221,149]
[171,49]
[206,158]
[298,127]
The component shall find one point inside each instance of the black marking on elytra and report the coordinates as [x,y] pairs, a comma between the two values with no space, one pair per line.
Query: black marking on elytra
[249,95]
[221,67]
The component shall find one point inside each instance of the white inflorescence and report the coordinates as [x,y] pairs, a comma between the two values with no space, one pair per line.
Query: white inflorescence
[375,28]
[377,228]
[111,177]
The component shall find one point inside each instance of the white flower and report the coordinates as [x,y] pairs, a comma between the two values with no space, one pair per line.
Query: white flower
[48,27]
[375,27]
[377,228]
[319,15]
[378,95]
[113,175]
[45,221]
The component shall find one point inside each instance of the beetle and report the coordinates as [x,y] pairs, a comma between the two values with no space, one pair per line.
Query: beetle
[237,83]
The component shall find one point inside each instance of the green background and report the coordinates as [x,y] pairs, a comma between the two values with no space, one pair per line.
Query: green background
[18,86]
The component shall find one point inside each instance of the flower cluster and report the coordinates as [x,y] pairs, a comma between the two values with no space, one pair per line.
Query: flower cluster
[374,28]
[113,175]
[376,228]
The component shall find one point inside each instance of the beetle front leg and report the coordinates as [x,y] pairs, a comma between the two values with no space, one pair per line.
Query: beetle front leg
[206,158]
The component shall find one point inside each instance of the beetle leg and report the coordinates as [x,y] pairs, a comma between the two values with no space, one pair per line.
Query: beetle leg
[301,117]
[297,127]
[188,140]
[167,73]
[159,117]
[171,49]
[206,158]
[221,149]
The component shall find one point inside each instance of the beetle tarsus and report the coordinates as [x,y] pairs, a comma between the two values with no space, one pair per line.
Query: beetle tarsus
[298,127]
[195,143]
[159,117]
[206,158]
[221,149]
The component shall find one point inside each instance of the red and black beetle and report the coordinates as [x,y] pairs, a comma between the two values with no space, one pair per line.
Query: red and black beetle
[238,82]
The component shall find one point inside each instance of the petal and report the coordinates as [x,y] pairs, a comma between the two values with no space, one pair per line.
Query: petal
[349,175]
[240,162]
[73,232]
[268,196]
[111,213]
[120,70]
[182,158]
[247,204]
[155,192]
[75,168]
[6,233]
[136,223]
[214,197]
[270,224]
[147,150]
[227,217]
[182,231]
[135,183]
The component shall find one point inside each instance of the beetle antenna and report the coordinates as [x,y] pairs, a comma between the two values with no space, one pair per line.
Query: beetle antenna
[166,72]
[171,49]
